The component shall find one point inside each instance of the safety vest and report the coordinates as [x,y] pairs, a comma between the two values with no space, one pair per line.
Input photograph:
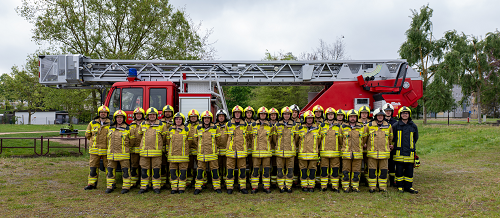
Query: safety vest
[97,134]
[222,139]
[379,139]
[118,143]
[178,149]
[135,141]
[405,138]
[192,145]
[206,140]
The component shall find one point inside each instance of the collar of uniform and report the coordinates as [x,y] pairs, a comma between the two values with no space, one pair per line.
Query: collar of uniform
[384,123]
[249,120]
[266,122]
[282,122]
[202,126]
[137,122]
[241,121]
[157,122]
[220,123]
[175,127]
[167,120]
[312,126]
[106,122]
[123,126]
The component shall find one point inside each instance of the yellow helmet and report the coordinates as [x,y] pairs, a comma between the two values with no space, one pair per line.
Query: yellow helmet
[274,111]
[237,108]
[404,109]
[168,108]
[120,113]
[352,112]
[207,114]
[286,110]
[139,110]
[308,114]
[249,108]
[340,111]
[330,110]
[364,108]
[262,110]
[193,112]
[103,108]
[318,108]
[179,114]
[152,110]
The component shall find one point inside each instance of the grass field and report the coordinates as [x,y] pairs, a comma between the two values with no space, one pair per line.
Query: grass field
[459,176]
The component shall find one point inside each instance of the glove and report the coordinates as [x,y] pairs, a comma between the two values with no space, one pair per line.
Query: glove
[417,162]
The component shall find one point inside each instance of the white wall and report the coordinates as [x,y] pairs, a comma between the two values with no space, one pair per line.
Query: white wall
[39,118]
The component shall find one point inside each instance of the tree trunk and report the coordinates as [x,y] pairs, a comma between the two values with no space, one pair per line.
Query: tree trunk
[29,116]
[478,99]
[425,112]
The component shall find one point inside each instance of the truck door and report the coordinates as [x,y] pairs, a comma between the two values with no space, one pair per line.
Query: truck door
[158,99]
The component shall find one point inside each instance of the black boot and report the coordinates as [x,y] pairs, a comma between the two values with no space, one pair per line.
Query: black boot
[289,190]
[411,190]
[305,189]
[218,191]
[324,189]
[372,190]
[125,191]
[311,189]
[282,190]
[230,191]
[254,191]
[89,187]
[181,191]
[336,190]
[268,191]
[156,190]
[173,192]
[197,191]
[244,191]
[108,191]
[142,191]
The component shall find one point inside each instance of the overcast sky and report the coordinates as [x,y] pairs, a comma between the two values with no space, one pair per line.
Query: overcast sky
[243,30]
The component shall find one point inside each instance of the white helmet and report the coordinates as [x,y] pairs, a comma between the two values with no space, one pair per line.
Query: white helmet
[378,111]
[295,108]
[223,112]
[387,106]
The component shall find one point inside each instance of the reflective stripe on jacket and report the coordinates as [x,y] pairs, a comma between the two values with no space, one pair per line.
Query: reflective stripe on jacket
[206,139]
[177,146]
[153,138]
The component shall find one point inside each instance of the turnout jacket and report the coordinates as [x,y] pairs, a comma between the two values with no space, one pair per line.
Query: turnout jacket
[405,139]
[379,139]
[285,138]
[353,138]
[206,139]
[177,144]
[310,140]
[222,139]
[192,129]
[249,136]
[118,142]
[135,139]
[331,139]
[97,134]
[236,141]
[153,138]
[262,137]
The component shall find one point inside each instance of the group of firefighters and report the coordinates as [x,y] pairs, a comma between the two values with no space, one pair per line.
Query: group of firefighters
[330,148]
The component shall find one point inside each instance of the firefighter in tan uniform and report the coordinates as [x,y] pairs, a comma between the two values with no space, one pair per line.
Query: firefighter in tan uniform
[285,138]
[379,147]
[354,137]
[249,114]
[274,116]
[236,152]
[297,119]
[318,119]
[221,123]
[261,155]
[310,140]
[329,151]
[178,154]
[192,123]
[364,114]
[135,142]
[118,151]
[96,133]
[168,113]
[205,137]
[153,138]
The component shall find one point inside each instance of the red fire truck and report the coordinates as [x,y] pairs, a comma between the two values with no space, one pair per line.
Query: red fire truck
[198,84]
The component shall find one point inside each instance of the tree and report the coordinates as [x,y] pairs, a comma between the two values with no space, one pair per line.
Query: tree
[24,87]
[325,51]
[474,63]
[116,29]
[421,49]
[441,91]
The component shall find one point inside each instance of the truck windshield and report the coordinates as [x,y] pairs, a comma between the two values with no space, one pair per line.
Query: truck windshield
[131,98]
[157,98]
[114,102]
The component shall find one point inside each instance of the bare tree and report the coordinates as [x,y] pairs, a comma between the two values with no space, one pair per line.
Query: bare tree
[325,51]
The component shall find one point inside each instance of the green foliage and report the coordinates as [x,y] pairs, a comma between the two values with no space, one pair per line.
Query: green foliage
[237,95]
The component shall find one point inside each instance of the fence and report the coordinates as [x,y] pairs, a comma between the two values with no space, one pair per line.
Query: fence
[42,139]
